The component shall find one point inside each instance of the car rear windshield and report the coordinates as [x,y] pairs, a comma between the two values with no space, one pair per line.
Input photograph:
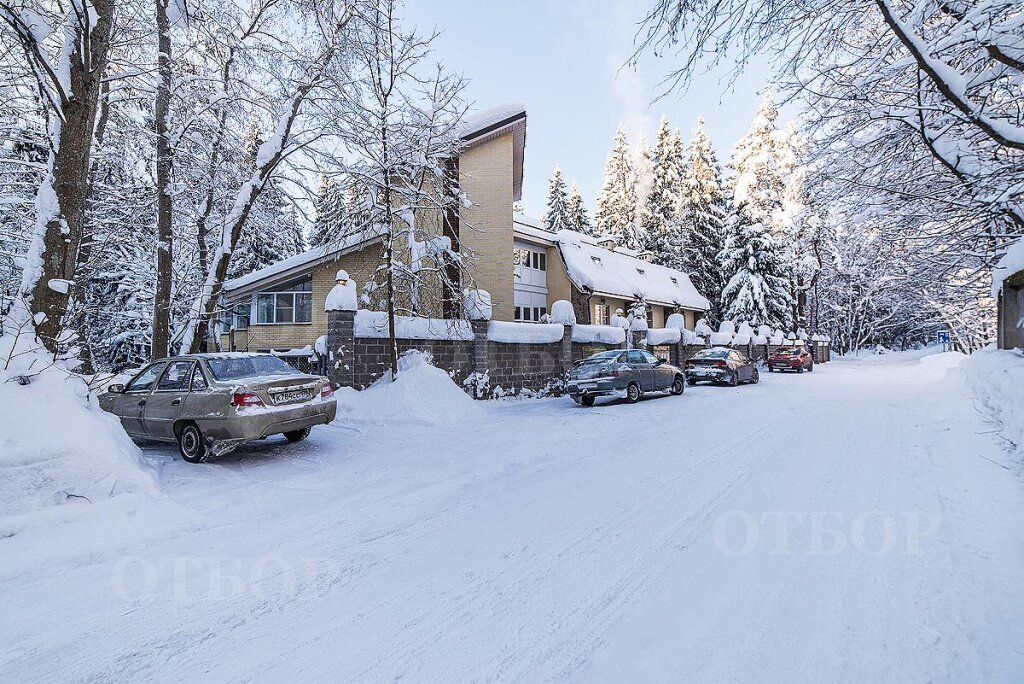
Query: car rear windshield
[238,367]
[711,354]
[603,357]
[784,352]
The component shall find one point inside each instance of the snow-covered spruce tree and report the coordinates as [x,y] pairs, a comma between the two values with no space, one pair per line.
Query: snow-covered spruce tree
[616,207]
[703,211]
[556,216]
[330,212]
[400,129]
[759,163]
[579,220]
[758,288]
[660,213]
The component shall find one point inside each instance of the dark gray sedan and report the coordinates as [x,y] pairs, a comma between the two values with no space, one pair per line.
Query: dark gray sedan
[208,403]
[721,365]
[624,374]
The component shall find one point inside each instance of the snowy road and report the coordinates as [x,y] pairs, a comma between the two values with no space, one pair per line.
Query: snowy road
[854,524]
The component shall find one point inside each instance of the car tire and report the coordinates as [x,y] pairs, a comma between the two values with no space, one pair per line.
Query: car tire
[191,444]
[691,381]
[810,368]
[734,381]
[587,400]
[297,435]
[800,369]
[678,386]
[756,378]
[633,393]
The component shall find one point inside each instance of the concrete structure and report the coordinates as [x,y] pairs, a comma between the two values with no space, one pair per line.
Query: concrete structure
[1008,290]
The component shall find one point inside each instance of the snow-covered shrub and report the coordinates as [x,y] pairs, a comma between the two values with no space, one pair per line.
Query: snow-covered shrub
[478,384]
[703,329]
[727,327]
[618,320]
[56,444]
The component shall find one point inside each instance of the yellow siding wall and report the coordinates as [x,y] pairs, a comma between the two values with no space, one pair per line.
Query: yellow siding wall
[485,228]
[559,285]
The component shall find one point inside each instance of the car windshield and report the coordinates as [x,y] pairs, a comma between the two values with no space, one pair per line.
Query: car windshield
[238,367]
[603,357]
[711,354]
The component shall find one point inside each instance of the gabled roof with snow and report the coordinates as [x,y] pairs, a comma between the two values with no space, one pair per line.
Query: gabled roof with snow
[296,265]
[618,272]
[1011,263]
[496,122]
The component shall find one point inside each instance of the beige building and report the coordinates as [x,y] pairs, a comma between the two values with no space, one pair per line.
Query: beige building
[523,267]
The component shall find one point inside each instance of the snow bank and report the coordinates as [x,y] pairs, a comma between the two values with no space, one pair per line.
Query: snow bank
[605,334]
[55,445]
[997,378]
[656,336]
[562,312]
[375,324]
[1011,262]
[422,394]
[524,333]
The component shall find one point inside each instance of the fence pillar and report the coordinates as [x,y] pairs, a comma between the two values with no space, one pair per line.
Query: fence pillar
[565,360]
[481,350]
[341,362]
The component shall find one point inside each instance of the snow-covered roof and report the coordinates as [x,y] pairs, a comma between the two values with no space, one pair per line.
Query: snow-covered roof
[297,264]
[495,122]
[618,274]
[1012,262]
[483,122]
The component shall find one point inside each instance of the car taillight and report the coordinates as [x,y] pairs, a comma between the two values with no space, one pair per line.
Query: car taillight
[720,364]
[241,399]
[689,364]
[327,390]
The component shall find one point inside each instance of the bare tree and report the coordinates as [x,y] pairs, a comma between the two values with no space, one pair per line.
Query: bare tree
[68,70]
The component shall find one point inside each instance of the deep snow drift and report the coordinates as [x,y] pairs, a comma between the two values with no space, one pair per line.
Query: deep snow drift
[57,447]
[422,394]
[997,377]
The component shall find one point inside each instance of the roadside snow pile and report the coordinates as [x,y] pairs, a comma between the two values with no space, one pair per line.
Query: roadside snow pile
[56,446]
[422,394]
[997,378]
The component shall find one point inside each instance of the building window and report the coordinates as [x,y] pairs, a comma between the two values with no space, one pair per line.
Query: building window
[650,317]
[288,303]
[602,314]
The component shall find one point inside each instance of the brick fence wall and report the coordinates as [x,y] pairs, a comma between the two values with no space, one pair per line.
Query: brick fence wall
[483,365]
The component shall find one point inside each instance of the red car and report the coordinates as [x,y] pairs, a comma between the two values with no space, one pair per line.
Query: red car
[791,358]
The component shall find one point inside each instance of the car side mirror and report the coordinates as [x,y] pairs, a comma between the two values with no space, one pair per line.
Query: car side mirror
[660,362]
[116,388]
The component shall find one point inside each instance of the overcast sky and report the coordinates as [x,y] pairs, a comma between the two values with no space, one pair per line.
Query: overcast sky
[562,60]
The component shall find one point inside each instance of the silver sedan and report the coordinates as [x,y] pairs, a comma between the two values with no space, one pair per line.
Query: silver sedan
[209,403]
[619,373]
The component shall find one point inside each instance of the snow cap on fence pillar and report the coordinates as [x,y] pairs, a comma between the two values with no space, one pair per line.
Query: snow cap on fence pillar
[342,296]
[477,304]
[562,312]
[677,321]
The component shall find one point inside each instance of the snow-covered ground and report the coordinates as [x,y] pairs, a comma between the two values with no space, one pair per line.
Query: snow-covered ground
[861,523]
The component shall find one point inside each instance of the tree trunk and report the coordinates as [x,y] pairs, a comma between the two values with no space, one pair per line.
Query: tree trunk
[164,230]
[61,208]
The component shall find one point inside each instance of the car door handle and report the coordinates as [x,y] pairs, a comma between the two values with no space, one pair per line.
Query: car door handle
[175,402]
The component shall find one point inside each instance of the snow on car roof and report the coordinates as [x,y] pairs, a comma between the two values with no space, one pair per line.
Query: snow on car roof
[621,274]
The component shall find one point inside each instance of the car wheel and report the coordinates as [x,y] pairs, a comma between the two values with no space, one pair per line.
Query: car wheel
[734,381]
[810,368]
[677,386]
[587,400]
[191,444]
[297,435]
[756,377]
[691,381]
[800,369]
[633,393]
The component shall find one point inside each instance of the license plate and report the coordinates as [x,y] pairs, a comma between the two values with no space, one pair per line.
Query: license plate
[292,397]
[588,385]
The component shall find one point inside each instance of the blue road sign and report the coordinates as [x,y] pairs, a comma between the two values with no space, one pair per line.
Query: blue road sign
[942,337]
